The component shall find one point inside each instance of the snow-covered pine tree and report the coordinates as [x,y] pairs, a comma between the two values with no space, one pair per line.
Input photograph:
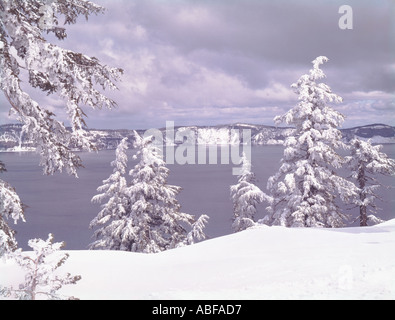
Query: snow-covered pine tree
[197,230]
[145,215]
[245,196]
[366,162]
[27,56]
[113,193]
[40,279]
[156,222]
[303,192]
[10,208]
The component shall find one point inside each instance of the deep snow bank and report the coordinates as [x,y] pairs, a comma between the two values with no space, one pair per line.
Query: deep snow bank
[260,263]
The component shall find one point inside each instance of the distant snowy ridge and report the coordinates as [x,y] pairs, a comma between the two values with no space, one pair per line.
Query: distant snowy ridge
[12,139]
[378,133]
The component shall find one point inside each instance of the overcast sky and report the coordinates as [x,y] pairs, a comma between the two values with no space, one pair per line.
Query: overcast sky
[208,62]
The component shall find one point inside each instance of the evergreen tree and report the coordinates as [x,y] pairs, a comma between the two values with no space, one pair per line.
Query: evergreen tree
[197,230]
[26,56]
[40,265]
[10,208]
[117,205]
[74,77]
[304,190]
[157,223]
[145,215]
[245,196]
[366,161]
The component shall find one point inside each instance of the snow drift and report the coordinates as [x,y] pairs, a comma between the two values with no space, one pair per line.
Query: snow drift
[259,263]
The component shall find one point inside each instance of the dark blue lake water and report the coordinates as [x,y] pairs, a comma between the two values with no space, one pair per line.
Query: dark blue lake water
[61,205]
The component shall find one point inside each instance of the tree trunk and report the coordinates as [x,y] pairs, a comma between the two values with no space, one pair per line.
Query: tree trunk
[363,218]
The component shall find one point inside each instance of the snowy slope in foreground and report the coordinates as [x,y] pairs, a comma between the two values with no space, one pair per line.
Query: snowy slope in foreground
[261,263]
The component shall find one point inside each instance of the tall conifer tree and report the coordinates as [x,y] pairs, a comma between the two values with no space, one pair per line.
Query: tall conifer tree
[366,162]
[245,196]
[303,192]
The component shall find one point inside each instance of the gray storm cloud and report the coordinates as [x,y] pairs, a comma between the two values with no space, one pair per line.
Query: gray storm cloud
[209,62]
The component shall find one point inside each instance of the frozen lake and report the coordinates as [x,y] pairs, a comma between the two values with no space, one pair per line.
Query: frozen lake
[60,204]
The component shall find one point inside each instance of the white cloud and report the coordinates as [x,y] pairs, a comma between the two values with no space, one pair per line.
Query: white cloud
[139,32]
[107,48]
[375,95]
[224,61]
[276,92]
[194,16]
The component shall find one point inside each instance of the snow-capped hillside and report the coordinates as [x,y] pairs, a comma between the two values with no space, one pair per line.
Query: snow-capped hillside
[260,263]
[378,133]
[11,138]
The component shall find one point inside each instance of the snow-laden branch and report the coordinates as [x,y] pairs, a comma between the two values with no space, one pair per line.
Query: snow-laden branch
[74,77]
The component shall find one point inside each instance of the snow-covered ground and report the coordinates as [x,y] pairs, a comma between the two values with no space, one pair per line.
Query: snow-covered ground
[260,263]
